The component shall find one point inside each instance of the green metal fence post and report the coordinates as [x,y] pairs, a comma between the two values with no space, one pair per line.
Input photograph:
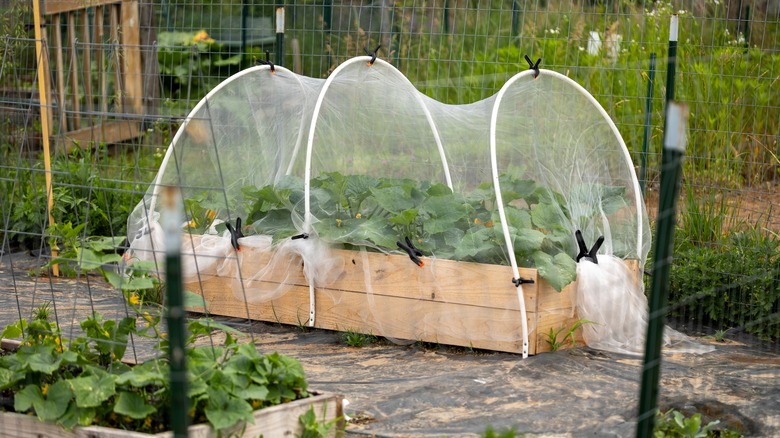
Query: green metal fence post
[648,118]
[515,19]
[675,123]
[671,175]
[280,35]
[172,219]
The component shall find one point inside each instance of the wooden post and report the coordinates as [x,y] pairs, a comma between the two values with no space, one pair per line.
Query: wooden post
[43,92]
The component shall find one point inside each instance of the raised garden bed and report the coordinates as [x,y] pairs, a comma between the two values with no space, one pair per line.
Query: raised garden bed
[467,304]
[276,421]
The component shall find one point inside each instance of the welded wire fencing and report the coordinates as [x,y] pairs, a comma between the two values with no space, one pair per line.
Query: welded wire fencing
[120,77]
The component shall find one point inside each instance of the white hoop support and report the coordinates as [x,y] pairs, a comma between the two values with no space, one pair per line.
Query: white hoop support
[198,106]
[316,113]
[497,186]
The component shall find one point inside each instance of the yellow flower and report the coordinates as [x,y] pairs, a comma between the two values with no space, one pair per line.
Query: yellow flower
[148,421]
[211,214]
[476,221]
[489,224]
[44,389]
[134,299]
[358,216]
[202,37]
[338,222]
[256,404]
[147,317]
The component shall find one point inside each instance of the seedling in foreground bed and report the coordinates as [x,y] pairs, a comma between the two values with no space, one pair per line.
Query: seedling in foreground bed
[552,335]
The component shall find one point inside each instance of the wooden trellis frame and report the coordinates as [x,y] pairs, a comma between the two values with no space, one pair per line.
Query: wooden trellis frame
[105,33]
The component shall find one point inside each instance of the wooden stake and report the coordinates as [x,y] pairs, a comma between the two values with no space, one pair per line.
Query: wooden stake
[43,92]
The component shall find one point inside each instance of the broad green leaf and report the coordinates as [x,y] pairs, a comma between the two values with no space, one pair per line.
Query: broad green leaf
[191,299]
[147,373]
[439,189]
[91,391]
[546,216]
[406,217]
[76,416]
[253,392]
[41,358]
[89,259]
[474,243]
[393,199]
[12,331]
[133,405]
[559,270]
[58,396]
[527,241]
[9,378]
[105,243]
[24,399]
[228,412]
[515,217]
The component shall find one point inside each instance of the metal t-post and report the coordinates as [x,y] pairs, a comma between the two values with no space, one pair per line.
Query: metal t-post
[648,119]
[675,126]
[172,219]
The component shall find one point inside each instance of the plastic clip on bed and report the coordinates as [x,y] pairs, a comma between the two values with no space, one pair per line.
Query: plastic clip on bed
[235,233]
[519,281]
[372,53]
[533,66]
[267,61]
[584,253]
[413,252]
[300,236]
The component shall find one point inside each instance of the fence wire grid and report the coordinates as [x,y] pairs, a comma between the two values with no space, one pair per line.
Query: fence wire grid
[120,77]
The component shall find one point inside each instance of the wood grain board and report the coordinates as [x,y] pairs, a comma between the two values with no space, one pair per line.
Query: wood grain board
[448,302]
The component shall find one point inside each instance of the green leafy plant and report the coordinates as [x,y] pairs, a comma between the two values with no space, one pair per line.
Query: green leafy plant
[375,213]
[506,433]
[83,381]
[552,336]
[356,339]
[312,428]
[673,424]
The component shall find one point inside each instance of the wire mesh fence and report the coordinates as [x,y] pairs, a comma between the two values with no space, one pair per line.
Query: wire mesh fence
[120,77]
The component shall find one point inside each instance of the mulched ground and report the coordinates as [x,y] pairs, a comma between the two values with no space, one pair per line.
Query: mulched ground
[431,390]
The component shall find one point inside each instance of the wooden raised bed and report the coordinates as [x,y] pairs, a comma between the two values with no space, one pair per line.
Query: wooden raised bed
[279,421]
[465,304]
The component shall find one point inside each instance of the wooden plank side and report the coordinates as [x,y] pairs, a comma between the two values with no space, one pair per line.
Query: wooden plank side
[386,315]
[131,67]
[109,132]
[473,284]
[13,425]
[59,6]
[86,75]
[74,70]
[447,281]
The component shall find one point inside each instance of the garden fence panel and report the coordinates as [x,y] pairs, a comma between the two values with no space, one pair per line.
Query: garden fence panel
[725,278]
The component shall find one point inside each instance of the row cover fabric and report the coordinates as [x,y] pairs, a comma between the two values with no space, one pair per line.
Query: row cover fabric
[362,160]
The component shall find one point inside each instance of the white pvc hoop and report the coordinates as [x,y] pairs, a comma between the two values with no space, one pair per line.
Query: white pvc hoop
[316,113]
[497,186]
[190,116]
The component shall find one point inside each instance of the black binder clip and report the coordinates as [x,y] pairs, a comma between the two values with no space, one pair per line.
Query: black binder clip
[584,253]
[414,253]
[533,66]
[372,53]
[235,233]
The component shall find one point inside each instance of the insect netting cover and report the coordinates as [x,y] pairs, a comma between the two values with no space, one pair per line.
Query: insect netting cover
[564,171]
[245,135]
